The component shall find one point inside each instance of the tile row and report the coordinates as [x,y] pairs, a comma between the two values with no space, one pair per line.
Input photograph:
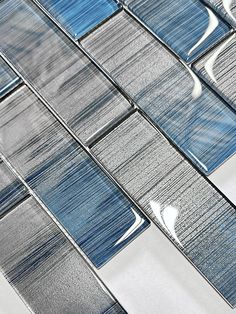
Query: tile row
[8,79]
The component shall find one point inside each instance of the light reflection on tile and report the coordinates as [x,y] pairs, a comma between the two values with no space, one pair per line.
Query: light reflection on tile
[44,268]
[8,78]
[93,210]
[188,27]
[180,201]
[195,119]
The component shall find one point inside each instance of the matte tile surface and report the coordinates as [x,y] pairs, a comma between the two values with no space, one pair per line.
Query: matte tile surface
[195,119]
[12,190]
[218,68]
[80,16]
[180,201]
[93,210]
[188,27]
[59,71]
[8,78]
[45,269]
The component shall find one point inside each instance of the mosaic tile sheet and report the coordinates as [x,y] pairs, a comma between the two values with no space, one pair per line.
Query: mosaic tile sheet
[59,71]
[45,269]
[8,79]
[195,119]
[80,16]
[179,200]
[12,190]
[93,210]
[188,27]
[218,69]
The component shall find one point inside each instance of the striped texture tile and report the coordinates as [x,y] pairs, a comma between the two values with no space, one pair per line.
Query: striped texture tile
[188,27]
[80,16]
[45,269]
[12,190]
[193,117]
[8,78]
[218,69]
[59,71]
[179,200]
[93,210]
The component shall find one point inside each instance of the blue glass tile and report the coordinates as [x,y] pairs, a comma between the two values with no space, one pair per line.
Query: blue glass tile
[93,210]
[192,116]
[187,26]
[8,78]
[80,16]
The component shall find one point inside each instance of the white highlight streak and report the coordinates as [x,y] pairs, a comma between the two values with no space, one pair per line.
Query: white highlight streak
[227,6]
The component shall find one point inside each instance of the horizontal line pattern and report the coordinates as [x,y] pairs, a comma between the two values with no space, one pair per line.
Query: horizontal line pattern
[8,79]
[70,184]
[218,69]
[179,200]
[58,70]
[193,117]
[44,268]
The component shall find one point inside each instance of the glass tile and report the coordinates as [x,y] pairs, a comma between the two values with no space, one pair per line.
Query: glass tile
[80,16]
[45,269]
[218,69]
[8,78]
[58,70]
[93,210]
[189,210]
[12,190]
[188,27]
[192,116]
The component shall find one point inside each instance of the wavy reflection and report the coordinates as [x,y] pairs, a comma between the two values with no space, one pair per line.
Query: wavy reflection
[197,86]
[227,6]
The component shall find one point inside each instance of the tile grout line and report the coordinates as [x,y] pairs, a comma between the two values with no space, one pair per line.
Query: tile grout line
[12,207]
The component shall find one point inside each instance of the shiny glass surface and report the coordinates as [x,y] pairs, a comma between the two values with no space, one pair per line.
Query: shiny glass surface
[8,78]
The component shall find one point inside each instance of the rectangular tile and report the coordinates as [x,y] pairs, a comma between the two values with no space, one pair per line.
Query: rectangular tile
[80,17]
[59,71]
[8,78]
[218,69]
[12,191]
[188,27]
[44,267]
[193,117]
[93,210]
[176,197]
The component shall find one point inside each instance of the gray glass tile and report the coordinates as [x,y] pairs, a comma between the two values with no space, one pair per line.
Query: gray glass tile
[59,71]
[176,197]
[12,190]
[8,78]
[192,116]
[218,69]
[44,267]
[188,27]
[93,210]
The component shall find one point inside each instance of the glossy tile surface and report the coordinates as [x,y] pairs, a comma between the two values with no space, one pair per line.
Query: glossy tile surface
[80,16]
[226,8]
[12,190]
[195,119]
[187,26]
[218,69]
[93,210]
[8,78]
[180,201]
[59,71]
[43,266]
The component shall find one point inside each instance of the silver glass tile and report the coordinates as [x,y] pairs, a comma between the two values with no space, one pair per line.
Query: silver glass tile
[94,211]
[59,71]
[44,267]
[218,69]
[192,116]
[8,78]
[176,197]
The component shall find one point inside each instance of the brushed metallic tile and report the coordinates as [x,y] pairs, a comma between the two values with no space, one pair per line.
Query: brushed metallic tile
[176,197]
[80,16]
[8,78]
[59,71]
[218,69]
[93,210]
[188,27]
[192,116]
[44,267]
